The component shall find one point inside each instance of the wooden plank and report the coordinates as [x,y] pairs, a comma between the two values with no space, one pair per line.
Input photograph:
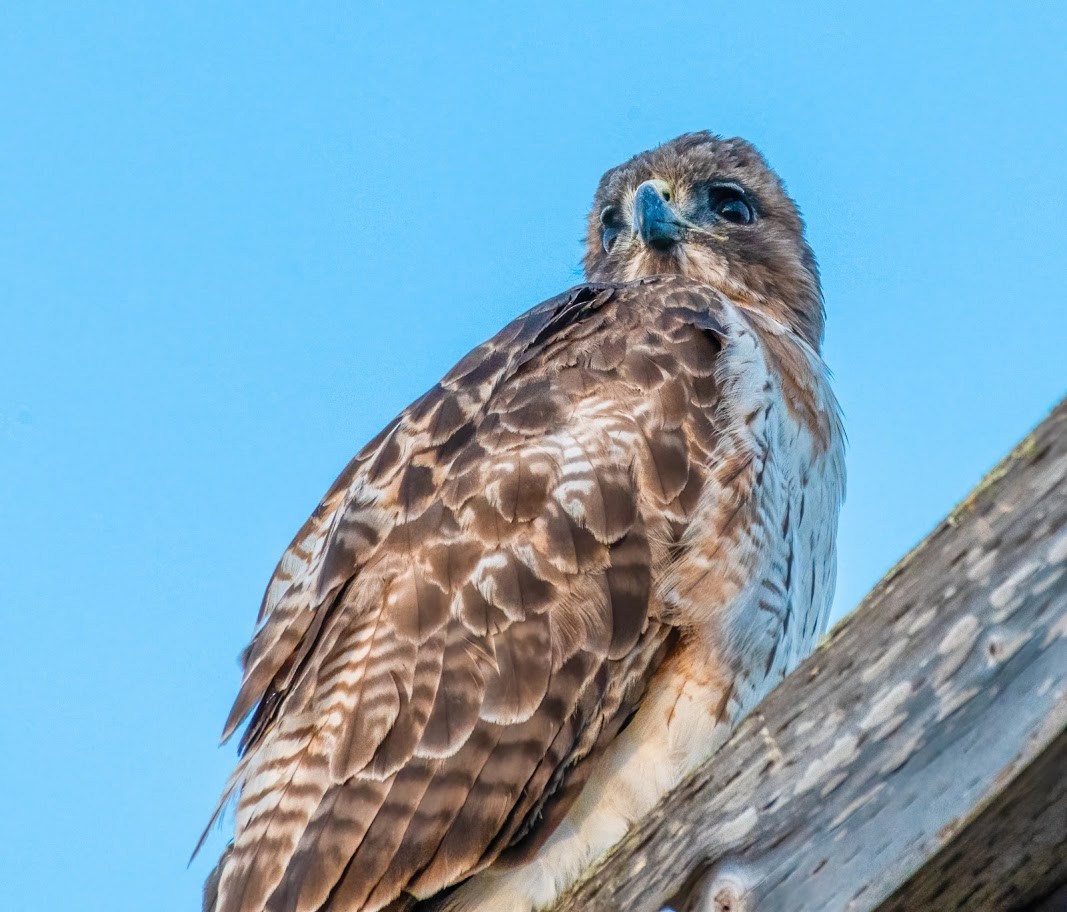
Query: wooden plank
[933,719]
[1009,856]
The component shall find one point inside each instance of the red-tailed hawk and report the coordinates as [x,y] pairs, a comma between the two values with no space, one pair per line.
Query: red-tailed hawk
[554,584]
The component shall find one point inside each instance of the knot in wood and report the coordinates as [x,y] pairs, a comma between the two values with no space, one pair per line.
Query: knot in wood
[725,889]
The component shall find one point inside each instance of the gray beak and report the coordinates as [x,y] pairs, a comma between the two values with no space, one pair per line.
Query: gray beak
[655,221]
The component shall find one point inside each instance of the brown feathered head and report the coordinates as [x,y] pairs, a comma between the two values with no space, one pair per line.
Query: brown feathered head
[712,210]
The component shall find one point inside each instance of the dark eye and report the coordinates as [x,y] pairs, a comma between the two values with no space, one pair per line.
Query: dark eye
[610,226]
[729,202]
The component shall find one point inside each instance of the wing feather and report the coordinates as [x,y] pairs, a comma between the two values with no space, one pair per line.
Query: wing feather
[468,617]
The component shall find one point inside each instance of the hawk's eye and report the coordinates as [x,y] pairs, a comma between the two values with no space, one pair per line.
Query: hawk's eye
[610,226]
[728,201]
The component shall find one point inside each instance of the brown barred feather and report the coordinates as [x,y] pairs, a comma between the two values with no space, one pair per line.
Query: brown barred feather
[468,618]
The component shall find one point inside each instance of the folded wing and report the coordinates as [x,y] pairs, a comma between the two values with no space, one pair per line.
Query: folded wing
[467,620]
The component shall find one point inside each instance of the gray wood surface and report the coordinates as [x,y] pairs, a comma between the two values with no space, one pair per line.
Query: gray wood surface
[916,761]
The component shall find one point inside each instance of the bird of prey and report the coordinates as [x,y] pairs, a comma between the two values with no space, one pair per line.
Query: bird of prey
[554,584]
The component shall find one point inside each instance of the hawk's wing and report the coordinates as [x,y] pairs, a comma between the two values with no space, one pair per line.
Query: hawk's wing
[466,619]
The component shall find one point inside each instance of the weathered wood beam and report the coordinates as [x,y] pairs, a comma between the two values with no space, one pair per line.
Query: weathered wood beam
[918,760]
[1006,857]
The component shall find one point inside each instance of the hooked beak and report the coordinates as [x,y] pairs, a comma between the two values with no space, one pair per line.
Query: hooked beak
[655,220]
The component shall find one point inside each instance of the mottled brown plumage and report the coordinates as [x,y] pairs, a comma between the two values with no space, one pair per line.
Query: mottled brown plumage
[618,510]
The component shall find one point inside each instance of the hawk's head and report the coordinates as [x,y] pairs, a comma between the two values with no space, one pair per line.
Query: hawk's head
[710,209]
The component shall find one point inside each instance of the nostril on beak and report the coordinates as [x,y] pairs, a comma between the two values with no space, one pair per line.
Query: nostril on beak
[660,187]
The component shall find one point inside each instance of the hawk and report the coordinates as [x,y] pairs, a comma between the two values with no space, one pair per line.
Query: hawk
[554,584]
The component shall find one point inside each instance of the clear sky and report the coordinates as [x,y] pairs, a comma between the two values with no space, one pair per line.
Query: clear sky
[236,240]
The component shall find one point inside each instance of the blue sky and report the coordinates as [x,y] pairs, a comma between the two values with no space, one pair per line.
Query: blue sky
[236,240]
